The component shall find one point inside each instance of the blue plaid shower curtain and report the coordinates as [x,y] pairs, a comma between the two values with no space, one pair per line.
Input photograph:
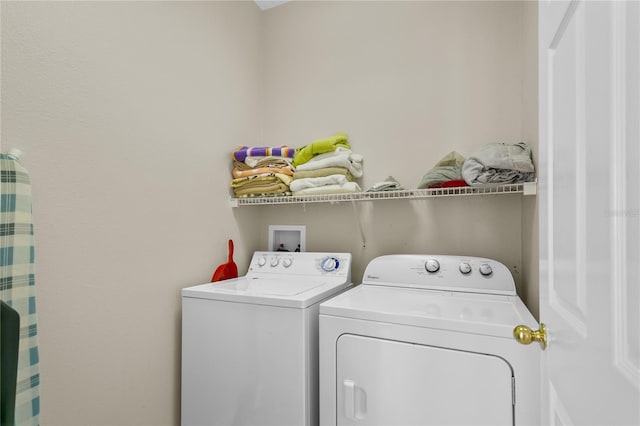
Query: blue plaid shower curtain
[17,282]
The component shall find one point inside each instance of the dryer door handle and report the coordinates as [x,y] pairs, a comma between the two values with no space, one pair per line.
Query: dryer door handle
[355,400]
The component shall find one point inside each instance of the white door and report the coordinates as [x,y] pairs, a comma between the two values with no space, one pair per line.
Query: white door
[589,211]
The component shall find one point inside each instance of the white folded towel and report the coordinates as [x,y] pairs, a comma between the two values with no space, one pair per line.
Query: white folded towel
[341,157]
[300,184]
[348,187]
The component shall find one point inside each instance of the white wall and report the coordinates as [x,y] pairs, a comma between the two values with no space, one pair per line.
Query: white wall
[126,112]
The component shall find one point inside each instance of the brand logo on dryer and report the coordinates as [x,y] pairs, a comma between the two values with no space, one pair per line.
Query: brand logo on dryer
[373,277]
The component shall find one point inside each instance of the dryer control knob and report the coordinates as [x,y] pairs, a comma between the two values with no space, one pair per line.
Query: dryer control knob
[465,268]
[485,269]
[432,265]
[262,261]
[286,262]
[329,264]
[275,261]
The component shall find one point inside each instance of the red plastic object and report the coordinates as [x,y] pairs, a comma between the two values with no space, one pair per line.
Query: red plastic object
[450,184]
[226,270]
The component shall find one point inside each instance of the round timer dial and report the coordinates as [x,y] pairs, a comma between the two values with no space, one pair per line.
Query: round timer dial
[465,268]
[432,265]
[329,264]
[485,269]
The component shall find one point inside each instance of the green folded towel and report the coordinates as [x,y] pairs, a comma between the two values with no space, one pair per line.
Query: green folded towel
[320,146]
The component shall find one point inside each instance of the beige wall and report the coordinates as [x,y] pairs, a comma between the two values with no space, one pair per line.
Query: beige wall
[408,82]
[127,113]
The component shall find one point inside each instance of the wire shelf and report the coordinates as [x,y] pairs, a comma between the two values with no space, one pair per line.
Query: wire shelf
[527,188]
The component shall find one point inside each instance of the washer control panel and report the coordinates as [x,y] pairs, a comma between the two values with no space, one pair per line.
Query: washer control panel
[441,272]
[300,263]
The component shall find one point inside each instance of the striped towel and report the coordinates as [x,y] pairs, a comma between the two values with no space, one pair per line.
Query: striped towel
[242,152]
[17,282]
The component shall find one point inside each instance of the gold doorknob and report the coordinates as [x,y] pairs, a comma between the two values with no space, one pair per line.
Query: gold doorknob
[525,335]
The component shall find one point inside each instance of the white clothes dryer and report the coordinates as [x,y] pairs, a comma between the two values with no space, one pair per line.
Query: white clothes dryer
[250,344]
[428,340]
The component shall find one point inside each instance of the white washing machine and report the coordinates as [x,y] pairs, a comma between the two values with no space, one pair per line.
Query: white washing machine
[250,344]
[428,340]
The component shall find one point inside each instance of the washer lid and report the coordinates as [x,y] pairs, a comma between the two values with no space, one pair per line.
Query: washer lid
[284,291]
[484,314]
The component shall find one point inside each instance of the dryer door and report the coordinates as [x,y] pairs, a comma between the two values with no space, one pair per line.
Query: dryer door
[385,382]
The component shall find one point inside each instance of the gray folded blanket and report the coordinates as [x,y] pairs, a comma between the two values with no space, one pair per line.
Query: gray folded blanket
[499,163]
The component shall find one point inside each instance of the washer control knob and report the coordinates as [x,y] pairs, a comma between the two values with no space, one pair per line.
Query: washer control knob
[286,262]
[465,268]
[262,261]
[432,265]
[275,261]
[329,264]
[485,269]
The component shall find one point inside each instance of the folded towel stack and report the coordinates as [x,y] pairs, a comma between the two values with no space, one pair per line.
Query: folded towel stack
[326,166]
[262,171]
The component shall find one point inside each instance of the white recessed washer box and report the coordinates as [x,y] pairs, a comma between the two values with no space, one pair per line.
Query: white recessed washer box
[287,238]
